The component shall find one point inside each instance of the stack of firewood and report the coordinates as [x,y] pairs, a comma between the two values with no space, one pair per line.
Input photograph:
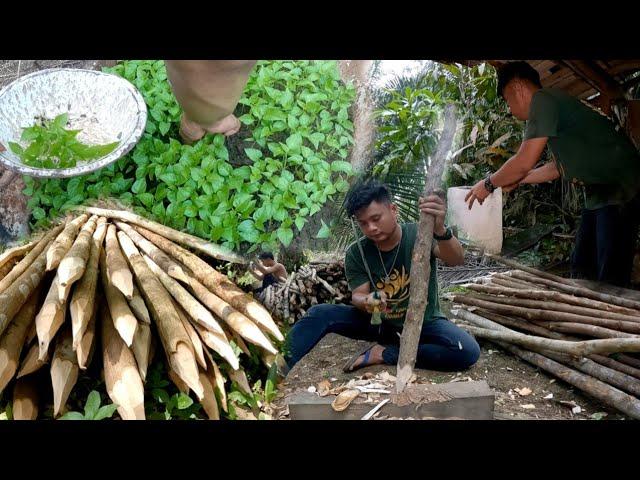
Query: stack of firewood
[116,283]
[585,337]
[308,286]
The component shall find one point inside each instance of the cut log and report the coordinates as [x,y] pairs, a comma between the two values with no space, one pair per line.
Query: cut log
[63,242]
[217,380]
[83,299]
[25,399]
[64,370]
[619,366]
[175,340]
[218,344]
[530,270]
[240,377]
[117,268]
[74,263]
[586,330]
[122,379]
[37,252]
[123,319]
[634,362]
[211,249]
[13,339]
[217,283]
[420,260]
[158,256]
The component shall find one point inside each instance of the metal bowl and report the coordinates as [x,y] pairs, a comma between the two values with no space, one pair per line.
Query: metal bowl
[105,107]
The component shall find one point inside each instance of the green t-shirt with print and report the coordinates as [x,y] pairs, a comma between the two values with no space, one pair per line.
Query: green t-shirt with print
[587,147]
[397,287]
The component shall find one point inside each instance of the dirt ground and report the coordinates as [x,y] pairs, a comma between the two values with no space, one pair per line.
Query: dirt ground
[502,371]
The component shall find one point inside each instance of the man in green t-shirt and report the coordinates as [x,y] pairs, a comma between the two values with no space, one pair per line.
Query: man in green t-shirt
[589,151]
[378,274]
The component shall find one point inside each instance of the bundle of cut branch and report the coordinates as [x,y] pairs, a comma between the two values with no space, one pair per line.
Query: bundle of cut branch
[308,286]
[128,285]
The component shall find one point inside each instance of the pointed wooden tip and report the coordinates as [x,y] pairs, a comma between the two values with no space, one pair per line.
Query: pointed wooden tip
[177,273]
[64,375]
[185,366]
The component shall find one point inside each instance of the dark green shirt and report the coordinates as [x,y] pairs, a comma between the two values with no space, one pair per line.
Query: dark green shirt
[397,288]
[587,147]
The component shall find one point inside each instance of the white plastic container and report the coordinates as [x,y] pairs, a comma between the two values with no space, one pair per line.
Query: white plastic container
[482,225]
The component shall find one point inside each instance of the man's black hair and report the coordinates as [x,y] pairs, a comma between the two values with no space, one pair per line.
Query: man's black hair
[521,70]
[266,255]
[363,194]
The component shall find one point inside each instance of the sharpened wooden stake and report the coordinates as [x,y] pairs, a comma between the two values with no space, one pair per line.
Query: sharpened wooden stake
[64,370]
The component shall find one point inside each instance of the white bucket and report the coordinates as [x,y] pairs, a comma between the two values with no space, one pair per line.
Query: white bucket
[482,225]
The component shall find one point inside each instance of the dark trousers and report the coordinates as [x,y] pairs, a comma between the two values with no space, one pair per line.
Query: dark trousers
[605,243]
[443,346]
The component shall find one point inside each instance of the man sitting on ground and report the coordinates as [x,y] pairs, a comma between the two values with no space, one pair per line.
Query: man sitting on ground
[268,270]
[378,276]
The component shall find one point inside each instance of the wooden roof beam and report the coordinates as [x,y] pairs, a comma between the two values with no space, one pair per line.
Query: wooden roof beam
[595,76]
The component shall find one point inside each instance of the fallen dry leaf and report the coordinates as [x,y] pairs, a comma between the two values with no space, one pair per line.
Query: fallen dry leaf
[523,392]
[509,369]
[577,409]
[324,387]
[528,406]
[343,400]
[386,377]
[311,389]
[548,397]
[368,376]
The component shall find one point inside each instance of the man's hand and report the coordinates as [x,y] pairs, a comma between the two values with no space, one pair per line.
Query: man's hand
[370,302]
[434,205]
[478,192]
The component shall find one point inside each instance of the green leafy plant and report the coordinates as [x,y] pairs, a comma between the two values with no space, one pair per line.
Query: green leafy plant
[92,409]
[53,146]
[289,160]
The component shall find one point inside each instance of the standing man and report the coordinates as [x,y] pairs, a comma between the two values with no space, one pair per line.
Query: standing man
[378,274]
[588,150]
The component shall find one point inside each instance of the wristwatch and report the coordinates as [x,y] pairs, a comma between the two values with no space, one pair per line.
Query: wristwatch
[488,185]
[448,235]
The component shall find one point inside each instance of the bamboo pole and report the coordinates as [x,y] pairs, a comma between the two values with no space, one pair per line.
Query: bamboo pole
[83,298]
[211,249]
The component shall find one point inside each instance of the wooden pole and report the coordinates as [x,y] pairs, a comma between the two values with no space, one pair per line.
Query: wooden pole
[420,260]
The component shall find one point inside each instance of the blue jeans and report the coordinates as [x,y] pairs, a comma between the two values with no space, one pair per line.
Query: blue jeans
[443,346]
[605,243]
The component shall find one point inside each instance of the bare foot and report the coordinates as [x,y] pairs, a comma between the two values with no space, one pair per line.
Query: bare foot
[228,126]
[191,132]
